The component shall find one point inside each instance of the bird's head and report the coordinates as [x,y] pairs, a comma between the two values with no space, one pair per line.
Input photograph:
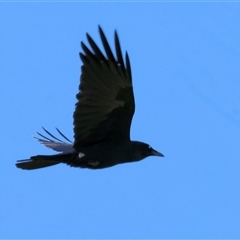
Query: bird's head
[143,150]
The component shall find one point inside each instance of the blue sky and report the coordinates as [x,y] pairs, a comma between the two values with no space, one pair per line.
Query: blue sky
[185,65]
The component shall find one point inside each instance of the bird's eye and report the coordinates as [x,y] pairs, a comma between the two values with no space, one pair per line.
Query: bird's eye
[149,147]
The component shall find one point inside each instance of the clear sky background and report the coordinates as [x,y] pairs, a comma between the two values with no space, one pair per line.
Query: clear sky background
[185,60]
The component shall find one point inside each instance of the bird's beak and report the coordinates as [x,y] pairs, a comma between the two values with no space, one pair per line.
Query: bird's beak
[156,153]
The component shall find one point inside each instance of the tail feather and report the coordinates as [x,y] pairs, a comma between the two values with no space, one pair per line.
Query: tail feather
[41,161]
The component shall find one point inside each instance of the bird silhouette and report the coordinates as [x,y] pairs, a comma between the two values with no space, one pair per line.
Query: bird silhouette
[102,116]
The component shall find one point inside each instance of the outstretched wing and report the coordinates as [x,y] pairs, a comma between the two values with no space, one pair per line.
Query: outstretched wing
[105,104]
[58,145]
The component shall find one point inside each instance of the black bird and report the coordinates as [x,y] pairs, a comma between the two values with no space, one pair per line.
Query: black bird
[102,117]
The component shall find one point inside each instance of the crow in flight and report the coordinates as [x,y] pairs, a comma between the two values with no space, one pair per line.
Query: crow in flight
[102,117]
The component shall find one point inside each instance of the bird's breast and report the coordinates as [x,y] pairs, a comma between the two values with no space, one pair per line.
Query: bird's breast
[100,156]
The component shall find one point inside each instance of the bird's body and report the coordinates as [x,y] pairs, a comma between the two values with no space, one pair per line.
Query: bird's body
[102,117]
[95,157]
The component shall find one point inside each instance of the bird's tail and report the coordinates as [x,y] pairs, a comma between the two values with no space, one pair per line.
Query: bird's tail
[41,161]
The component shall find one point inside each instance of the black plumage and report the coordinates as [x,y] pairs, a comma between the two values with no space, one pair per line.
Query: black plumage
[102,117]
